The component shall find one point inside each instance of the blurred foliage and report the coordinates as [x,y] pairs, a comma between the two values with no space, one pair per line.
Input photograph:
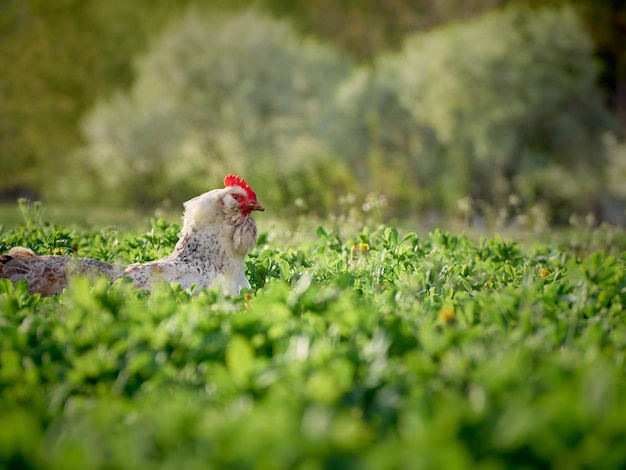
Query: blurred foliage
[254,100]
[56,59]
[488,122]
[66,61]
[605,22]
[365,28]
[616,169]
[374,350]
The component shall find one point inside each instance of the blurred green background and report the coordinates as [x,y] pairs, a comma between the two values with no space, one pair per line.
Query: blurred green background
[481,111]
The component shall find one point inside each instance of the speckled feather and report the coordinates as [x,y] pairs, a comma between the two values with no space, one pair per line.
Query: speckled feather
[217,235]
[218,232]
[48,275]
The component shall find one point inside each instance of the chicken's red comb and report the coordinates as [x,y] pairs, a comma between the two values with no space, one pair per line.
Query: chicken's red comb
[234,180]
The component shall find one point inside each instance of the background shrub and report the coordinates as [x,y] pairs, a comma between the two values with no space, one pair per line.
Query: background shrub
[505,105]
[485,109]
[217,94]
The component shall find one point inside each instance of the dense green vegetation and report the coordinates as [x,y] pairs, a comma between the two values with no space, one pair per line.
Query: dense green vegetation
[359,345]
[354,348]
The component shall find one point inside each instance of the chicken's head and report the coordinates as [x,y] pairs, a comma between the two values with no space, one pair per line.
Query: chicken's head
[231,205]
[239,196]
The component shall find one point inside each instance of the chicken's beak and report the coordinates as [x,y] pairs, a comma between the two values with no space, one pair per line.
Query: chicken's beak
[255,206]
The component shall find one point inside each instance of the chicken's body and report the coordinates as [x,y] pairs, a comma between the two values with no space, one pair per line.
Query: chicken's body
[48,275]
[212,246]
[218,232]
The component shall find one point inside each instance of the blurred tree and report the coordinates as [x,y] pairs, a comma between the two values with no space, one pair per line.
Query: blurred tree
[365,28]
[606,22]
[481,109]
[57,58]
[218,94]
[379,137]
[616,168]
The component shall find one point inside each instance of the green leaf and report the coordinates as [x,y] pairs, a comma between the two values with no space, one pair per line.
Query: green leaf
[240,359]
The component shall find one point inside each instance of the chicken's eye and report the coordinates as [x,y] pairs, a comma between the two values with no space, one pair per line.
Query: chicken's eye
[235,197]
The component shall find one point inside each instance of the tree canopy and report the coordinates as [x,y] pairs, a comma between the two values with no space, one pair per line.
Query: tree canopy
[514,95]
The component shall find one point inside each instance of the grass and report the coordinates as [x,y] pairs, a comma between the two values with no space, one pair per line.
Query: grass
[13,216]
[355,348]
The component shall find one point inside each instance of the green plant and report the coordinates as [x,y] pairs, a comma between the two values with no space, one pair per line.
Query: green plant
[377,349]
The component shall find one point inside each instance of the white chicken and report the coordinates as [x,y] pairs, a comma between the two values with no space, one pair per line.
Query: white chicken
[218,232]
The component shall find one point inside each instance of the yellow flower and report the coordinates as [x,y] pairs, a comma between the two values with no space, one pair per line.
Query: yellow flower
[359,252]
[446,314]
[545,272]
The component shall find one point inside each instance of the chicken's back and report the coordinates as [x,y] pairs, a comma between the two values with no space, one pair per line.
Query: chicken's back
[171,269]
[44,275]
[48,275]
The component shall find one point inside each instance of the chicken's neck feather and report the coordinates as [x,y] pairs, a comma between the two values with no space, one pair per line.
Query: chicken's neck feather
[214,244]
[199,247]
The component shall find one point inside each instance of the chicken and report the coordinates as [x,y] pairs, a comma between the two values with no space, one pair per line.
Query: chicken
[217,234]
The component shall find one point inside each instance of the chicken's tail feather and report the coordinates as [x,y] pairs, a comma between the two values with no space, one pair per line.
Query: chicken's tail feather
[4,259]
[18,251]
[15,252]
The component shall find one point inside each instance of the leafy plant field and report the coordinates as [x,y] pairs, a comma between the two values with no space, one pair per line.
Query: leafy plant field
[374,350]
